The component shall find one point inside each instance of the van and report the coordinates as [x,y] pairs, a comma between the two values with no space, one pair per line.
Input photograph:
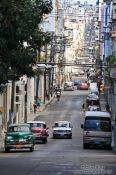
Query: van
[97,130]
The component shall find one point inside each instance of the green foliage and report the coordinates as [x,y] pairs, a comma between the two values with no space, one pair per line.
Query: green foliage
[111,59]
[19,24]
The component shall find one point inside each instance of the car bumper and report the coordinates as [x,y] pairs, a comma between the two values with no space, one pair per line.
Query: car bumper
[19,146]
[40,138]
[62,135]
[83,88]
[98,142]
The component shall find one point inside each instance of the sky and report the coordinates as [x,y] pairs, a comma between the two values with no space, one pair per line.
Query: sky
[89,1]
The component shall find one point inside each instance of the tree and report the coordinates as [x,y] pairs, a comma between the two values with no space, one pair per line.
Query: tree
[19,24]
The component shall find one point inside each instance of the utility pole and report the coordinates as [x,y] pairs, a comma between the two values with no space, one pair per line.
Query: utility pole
[51,70]
[45,75]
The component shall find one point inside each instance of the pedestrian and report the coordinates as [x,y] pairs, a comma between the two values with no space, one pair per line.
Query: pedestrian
[38,102]
[107,107]
[35,106]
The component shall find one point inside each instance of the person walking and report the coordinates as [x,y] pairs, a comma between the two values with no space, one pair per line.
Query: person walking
[35,106]
[38,102]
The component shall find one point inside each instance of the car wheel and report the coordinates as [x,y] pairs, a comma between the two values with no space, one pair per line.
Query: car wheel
[70,137]
[32,149]
[45,140]
[7,150]
[109,147]
[85,146]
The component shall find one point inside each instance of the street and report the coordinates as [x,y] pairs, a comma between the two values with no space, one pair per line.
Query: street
[60,156]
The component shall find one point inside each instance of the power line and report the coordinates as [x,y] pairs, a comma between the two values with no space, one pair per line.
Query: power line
[76,64]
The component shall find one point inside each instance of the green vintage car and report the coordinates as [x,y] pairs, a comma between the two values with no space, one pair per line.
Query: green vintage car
[19,136]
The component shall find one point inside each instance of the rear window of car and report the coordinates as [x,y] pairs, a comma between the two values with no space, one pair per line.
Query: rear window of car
[37,125]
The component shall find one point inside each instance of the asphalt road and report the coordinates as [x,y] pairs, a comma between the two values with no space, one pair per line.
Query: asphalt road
[60,156]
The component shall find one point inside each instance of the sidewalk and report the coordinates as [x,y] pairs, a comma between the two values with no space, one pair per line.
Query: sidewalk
[31,116]
[103,108]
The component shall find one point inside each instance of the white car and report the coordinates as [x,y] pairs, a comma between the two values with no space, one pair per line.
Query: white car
[62,129]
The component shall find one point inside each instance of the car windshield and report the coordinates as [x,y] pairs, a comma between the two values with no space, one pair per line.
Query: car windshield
[97,124]
[61,125]
[37,125]
[19,129]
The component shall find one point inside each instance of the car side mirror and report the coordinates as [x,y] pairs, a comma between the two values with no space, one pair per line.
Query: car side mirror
[82,126]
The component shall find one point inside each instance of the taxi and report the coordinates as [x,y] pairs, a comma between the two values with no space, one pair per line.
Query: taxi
[19,136]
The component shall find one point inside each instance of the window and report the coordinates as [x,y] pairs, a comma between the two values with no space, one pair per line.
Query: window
[19,129]
[97,124]
[38,125]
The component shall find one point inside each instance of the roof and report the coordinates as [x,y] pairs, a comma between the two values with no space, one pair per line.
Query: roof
[62,121]
[36,122]
[19,124]
[97,114]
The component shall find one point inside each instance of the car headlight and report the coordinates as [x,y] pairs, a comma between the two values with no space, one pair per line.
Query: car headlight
[9,138]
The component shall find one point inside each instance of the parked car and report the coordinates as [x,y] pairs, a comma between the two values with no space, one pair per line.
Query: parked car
[62,129]
[84,86]
[39,130]
[94,91]
[19,136]
[92,99]
[69,86]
